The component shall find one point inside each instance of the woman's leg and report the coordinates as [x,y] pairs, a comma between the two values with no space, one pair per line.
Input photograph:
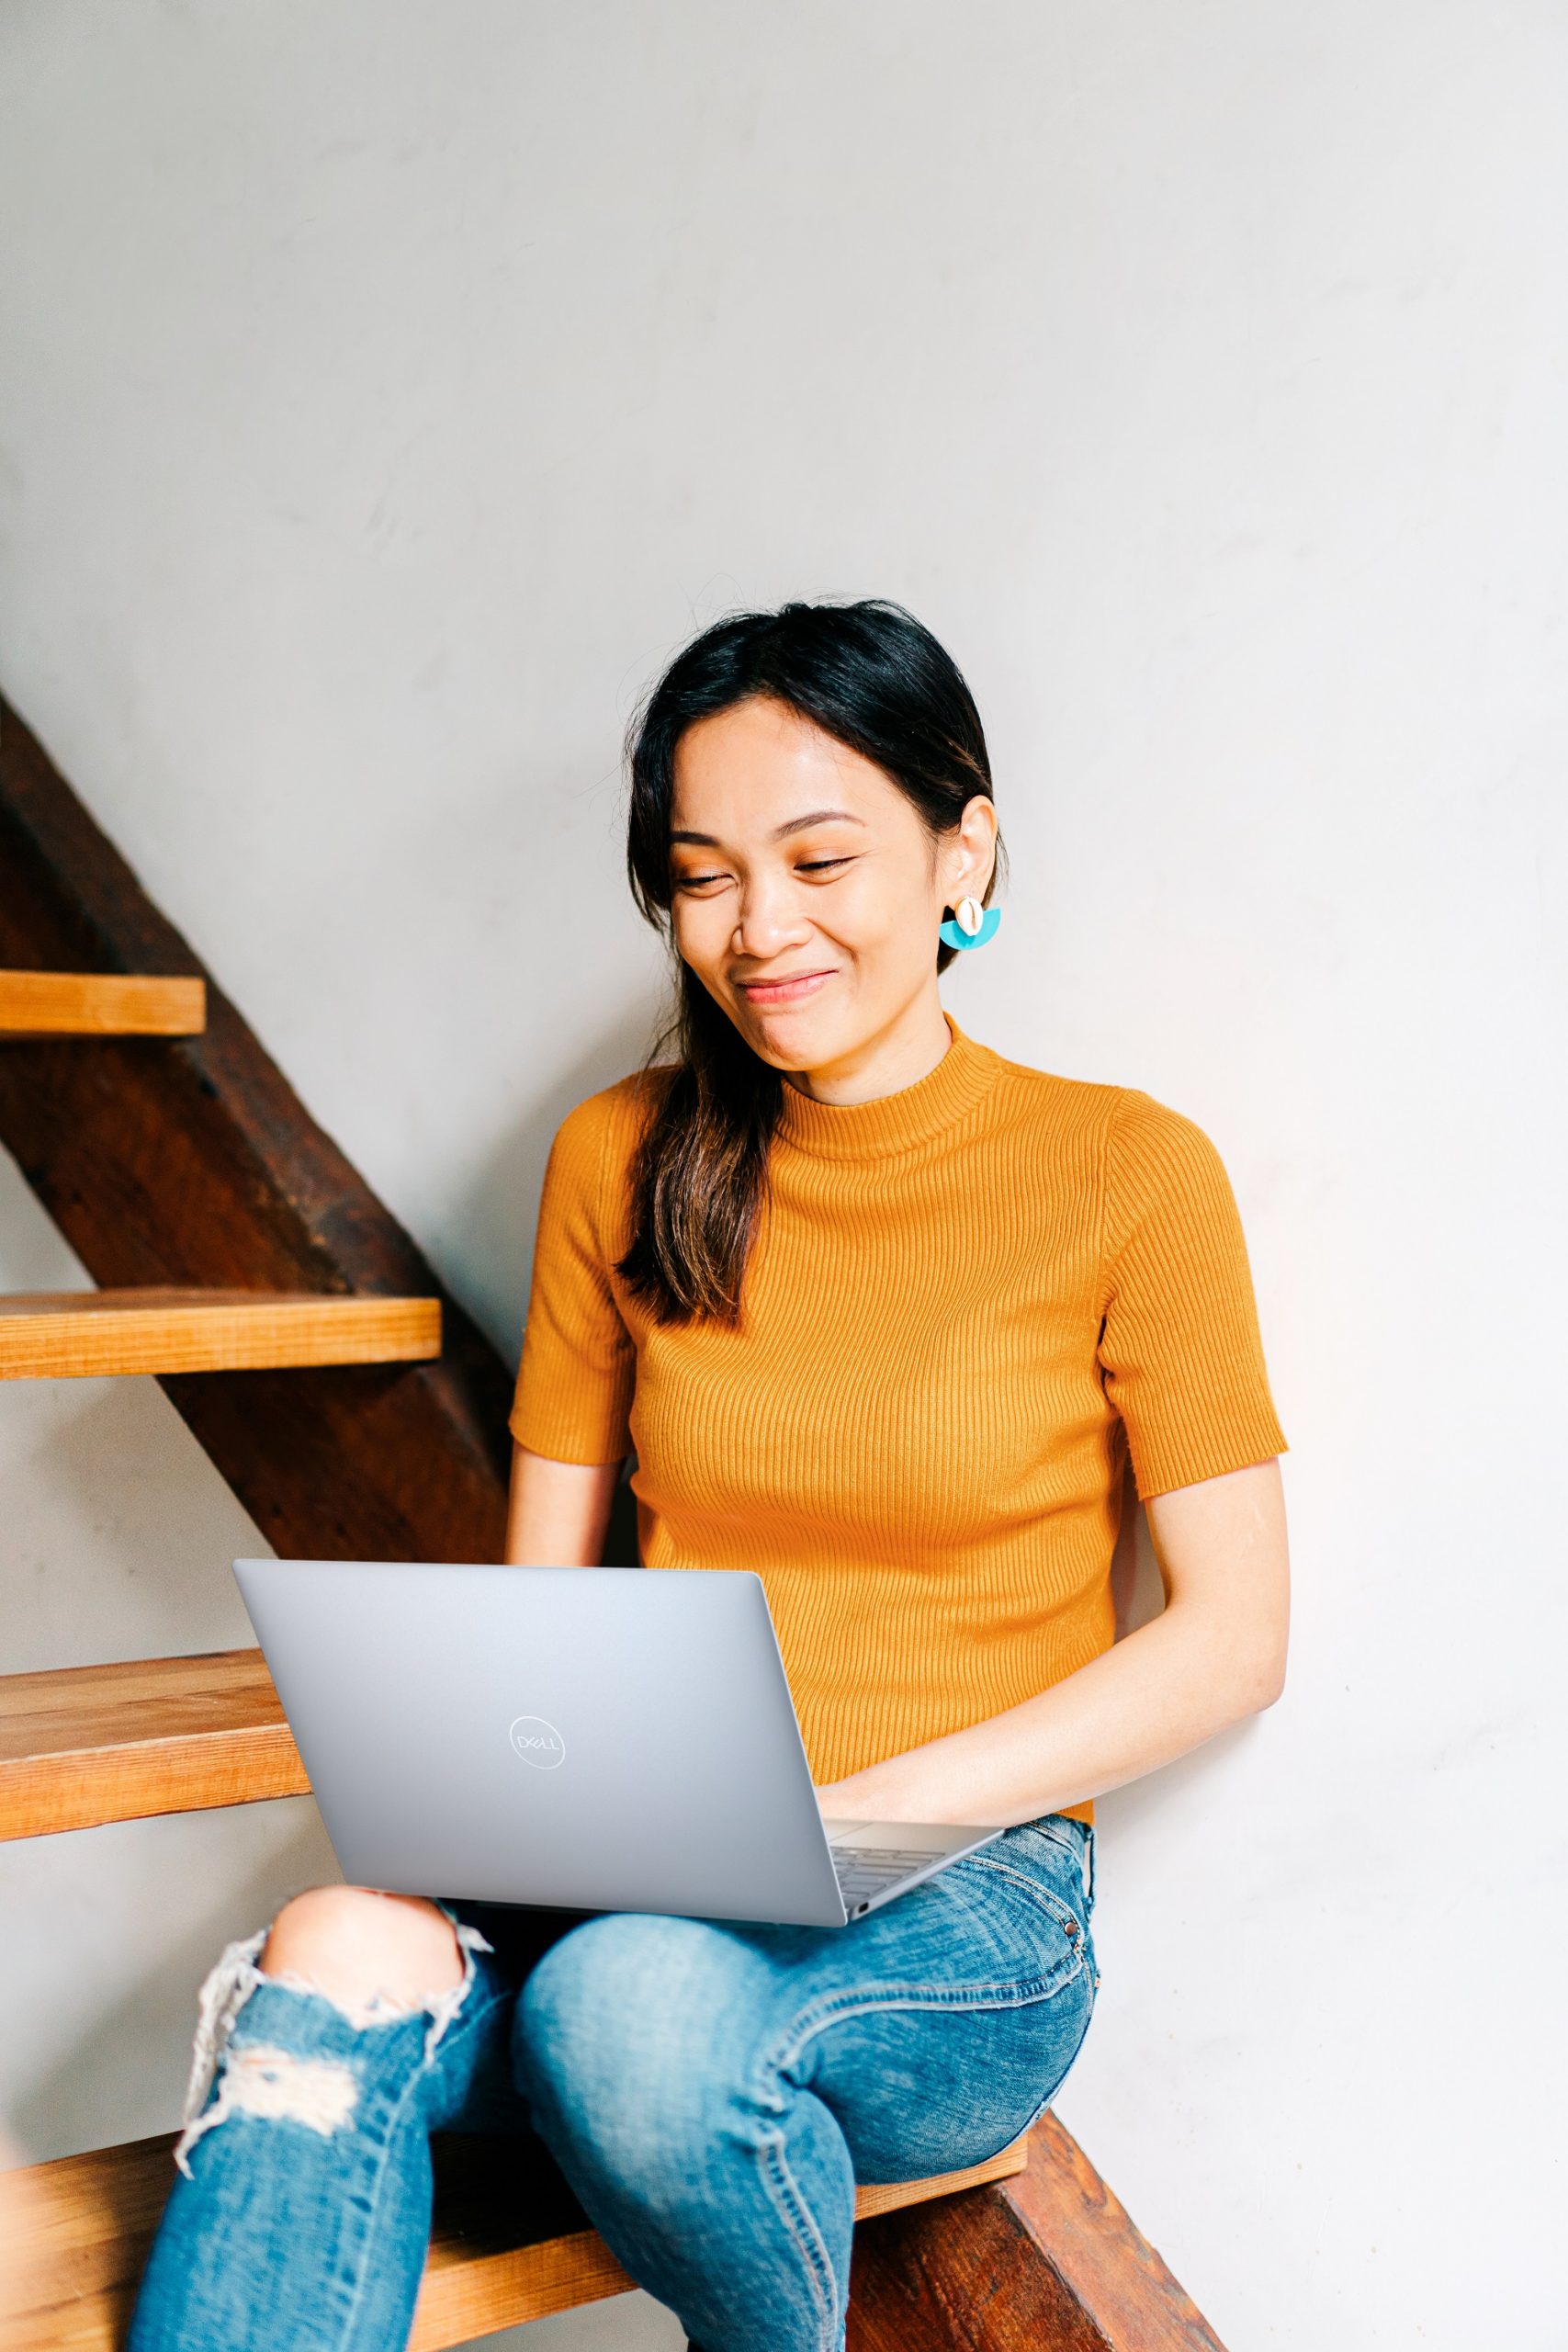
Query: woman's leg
[714,2091]
[327,2050]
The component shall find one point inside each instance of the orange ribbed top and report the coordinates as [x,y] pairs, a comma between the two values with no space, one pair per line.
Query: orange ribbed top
[968,1303]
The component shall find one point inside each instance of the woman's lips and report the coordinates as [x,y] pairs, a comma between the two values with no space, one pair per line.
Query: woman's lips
[785,992]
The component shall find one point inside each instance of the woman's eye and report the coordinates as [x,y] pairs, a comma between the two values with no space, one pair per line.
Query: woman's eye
[807,866]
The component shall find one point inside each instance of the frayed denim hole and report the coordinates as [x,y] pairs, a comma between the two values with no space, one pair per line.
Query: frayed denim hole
[235,1979]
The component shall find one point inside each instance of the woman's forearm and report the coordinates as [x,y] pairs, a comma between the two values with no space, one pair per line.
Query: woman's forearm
[1158,1692]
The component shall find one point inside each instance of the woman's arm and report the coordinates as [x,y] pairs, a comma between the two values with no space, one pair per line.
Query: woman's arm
[1215,1655]
[557,1511]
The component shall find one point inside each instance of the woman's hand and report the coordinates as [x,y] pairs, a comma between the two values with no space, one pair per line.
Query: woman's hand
[1216,1655]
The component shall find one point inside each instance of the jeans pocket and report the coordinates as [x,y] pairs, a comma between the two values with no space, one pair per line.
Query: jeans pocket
[1062,1838]
[1030,1902]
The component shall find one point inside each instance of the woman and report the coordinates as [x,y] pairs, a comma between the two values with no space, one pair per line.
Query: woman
[883,1315]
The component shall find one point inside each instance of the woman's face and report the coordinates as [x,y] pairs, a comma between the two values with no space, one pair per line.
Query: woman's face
[805,890]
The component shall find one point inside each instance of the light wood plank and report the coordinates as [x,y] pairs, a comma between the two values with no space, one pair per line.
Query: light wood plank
[79,1334]
[508,2244]
[467,2294]
[85,1745]
[100,1004]
[875,2197]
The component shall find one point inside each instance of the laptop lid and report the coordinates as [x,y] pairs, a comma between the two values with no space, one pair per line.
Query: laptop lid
[588,1738]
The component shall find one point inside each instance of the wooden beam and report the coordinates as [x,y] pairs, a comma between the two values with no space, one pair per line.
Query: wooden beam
[508,2241]
[89,1744]
[99,1004]
[86,1335]
[191,1162]
[1048,2261]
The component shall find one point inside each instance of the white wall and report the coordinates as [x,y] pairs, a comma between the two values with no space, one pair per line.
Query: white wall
[389,388]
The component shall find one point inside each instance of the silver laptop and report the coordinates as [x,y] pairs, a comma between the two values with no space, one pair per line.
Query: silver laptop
[600,1739]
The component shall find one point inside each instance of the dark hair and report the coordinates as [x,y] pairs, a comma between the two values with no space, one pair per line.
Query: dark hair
[869,674]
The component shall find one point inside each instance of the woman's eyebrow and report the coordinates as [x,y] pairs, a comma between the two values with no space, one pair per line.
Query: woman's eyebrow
[794,825]
[817,817]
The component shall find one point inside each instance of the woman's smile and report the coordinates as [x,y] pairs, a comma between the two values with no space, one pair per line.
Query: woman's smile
[791,988]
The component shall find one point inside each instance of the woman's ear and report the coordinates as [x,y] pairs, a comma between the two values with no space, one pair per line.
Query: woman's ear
[974,850]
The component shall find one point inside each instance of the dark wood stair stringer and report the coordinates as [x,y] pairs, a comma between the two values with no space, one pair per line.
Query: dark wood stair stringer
[1048,2261]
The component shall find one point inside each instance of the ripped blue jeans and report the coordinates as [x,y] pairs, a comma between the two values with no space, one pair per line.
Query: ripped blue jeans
[712,2092]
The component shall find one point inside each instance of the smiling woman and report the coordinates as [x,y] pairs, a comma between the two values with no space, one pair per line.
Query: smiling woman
[884,1316]
[811,793]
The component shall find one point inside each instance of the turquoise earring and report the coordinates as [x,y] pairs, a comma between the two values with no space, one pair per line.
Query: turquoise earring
[971,925]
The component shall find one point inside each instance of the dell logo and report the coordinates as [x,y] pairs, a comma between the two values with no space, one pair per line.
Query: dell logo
[537,1742]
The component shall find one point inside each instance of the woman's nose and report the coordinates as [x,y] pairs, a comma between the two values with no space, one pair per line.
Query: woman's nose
[768,920]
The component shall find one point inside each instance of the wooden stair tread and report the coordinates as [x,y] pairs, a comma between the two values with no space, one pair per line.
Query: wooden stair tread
[100,1004]
[65,1335]
[509,2243]
[85,1745]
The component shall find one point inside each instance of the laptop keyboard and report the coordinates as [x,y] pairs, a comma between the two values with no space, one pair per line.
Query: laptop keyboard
[865,1870]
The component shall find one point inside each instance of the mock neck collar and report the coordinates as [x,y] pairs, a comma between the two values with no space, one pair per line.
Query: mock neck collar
[892,1122]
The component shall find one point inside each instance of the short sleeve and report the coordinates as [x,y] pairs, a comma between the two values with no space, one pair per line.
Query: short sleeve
[578,1370]
[1180,1353]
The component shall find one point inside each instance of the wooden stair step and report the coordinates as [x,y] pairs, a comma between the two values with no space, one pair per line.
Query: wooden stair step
[88,1744]
[79,1334]
[509,2243]
[100,1004]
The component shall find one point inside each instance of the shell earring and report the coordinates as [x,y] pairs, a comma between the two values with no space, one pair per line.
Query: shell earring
[972,924]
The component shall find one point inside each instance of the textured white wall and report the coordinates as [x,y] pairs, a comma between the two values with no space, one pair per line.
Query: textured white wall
[389,388]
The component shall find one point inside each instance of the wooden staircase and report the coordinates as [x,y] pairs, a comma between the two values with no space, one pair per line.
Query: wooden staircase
[357,1412]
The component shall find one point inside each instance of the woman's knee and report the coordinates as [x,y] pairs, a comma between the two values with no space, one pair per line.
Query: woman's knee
[363,1958]
[634,2032]
[353,1943]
